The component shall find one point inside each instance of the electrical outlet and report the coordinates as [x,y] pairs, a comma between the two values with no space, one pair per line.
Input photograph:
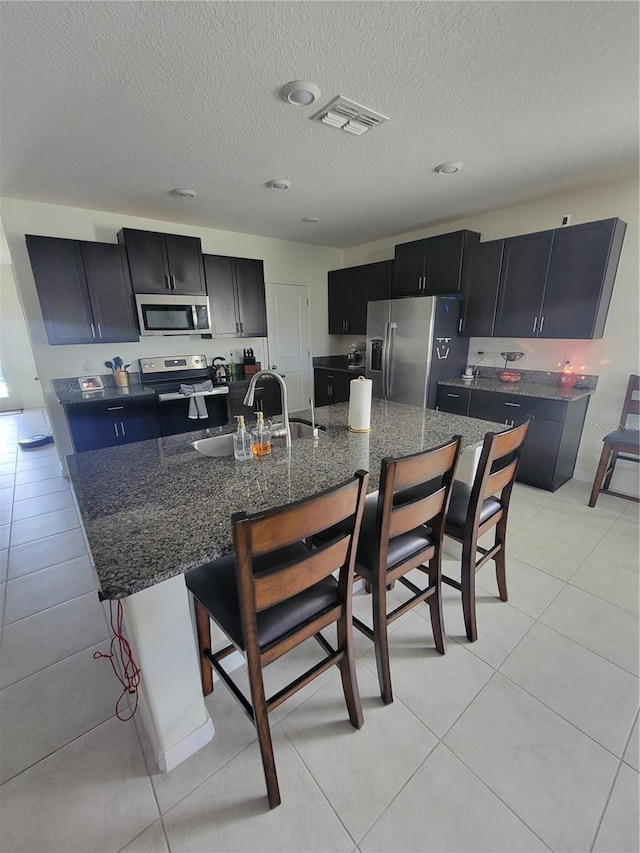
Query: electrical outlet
[567,358]
[566,219]
[480,353]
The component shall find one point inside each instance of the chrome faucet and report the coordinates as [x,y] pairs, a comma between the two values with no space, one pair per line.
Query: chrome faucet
[248,399]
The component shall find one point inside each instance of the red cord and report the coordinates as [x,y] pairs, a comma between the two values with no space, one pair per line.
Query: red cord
[126,670]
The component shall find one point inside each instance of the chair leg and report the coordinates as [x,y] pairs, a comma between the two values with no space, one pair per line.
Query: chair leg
[381,641]
[501,573]
[261,719]
[610,470]
[435,605]
[602,468]
[348,670]
[468,584]
[203,627]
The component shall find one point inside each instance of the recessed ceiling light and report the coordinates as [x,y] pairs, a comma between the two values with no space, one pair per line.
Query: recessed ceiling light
[448,168]
[299,93]
[311,219]
[279,184]
[182,193]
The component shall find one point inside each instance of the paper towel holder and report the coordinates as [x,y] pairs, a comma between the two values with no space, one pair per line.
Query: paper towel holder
[350,428]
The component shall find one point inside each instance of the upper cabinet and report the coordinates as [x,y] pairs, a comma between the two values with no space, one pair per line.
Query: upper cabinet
[350,289]
[236,296]
[480,288]
[558,284]
[84,290]
[164,263]
[432,266]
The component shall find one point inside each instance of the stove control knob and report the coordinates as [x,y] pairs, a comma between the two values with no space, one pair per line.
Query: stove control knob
[151,364]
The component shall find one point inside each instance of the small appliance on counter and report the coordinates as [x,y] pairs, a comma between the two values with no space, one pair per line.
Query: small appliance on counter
[355,356]
[220,372]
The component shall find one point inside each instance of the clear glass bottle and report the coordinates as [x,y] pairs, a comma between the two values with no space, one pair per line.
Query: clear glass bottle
[260,437]
[241,441]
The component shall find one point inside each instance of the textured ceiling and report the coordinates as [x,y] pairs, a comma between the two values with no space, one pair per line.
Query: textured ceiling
[108,105]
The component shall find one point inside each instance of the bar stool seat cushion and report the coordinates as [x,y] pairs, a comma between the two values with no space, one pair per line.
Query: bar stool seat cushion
[459,505]
[623,436]
[399,549]
[214,586]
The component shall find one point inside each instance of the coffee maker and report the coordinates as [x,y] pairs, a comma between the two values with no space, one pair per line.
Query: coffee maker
[355,356]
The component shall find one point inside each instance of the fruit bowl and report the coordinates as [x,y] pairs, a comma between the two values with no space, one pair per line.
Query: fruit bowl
[509,376]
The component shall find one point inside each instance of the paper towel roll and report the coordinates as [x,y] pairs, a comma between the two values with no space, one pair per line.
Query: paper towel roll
[360,405]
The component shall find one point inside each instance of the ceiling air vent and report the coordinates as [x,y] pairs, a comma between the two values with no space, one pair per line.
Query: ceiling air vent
[348,116]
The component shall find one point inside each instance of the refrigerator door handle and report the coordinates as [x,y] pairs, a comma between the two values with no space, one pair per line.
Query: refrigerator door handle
[385,359]
[391,327]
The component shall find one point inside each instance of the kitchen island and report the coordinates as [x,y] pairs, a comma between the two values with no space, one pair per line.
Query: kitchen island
[154,509]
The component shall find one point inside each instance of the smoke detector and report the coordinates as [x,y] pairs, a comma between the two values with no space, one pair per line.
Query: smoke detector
[278,184]
[346,115]
[182,193]
[299,93]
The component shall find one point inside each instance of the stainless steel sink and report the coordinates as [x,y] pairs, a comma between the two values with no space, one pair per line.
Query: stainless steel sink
[222,445]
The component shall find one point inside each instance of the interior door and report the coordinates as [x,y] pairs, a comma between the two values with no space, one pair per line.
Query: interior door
[288,340]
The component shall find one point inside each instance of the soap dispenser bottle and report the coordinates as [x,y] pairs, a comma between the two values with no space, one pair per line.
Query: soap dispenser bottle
[261,437]
[241,441]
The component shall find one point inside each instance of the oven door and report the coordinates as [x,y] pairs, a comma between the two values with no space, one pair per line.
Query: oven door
[174,412]
[173,315]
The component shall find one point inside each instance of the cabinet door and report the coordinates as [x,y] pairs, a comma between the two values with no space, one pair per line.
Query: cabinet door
[452,399]
[338,282]
[252,307]
[481,281]
[140,425]
[147,260]
[321,389]
[524,273]
[62,290]
[409,268]
[107,274]
[540,452]
[219,272]
[184,264]
[443,267]
[584,260]
[358,296]
[96,425]
[379,275]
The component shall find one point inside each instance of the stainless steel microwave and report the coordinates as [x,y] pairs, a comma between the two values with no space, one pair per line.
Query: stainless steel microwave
[177,314]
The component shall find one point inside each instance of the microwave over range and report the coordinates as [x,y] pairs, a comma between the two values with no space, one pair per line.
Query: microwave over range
[160,314]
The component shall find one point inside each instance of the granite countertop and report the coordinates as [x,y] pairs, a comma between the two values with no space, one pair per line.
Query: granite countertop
[155,509]
[70,396]
[523,387]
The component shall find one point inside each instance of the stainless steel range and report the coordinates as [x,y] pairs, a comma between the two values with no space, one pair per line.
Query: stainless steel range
[187,397]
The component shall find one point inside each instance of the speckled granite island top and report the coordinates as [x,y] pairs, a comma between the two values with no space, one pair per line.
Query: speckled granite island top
[524,388]
[154,509]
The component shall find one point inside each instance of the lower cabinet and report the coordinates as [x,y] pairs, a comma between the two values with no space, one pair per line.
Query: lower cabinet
[331,386]
[112,422]
[267,399]
[551,447]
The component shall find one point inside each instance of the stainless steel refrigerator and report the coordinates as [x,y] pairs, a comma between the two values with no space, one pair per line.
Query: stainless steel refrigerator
[411,344]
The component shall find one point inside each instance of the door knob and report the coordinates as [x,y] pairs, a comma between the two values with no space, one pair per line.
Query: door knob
[274,367]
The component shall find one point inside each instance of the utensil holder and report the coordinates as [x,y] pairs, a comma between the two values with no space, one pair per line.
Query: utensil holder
[121,378]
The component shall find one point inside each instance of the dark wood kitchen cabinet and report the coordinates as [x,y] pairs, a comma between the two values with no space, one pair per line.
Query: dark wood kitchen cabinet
[433,266]
[236,296]
[551,446]
[84,290]
[164,263]
[349,291]
[558,284]
[331,386]
[480,288]
[108,423]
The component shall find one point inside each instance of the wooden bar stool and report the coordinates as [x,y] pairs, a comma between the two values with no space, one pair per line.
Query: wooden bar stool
[274,592]
[475,510]
[624,444]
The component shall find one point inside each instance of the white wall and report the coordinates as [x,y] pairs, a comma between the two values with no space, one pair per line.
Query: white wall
[612,357]
[284,262]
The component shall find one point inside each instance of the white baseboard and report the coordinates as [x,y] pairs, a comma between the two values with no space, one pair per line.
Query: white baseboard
[170,758]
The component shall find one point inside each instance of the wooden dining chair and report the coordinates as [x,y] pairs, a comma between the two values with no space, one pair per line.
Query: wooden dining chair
[475,510]
[274,592]
[402,529]
[623,444]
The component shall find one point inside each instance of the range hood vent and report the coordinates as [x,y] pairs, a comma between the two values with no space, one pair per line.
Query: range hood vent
[346,115]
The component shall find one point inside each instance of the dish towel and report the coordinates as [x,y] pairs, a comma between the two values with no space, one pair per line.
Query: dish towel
[197,406]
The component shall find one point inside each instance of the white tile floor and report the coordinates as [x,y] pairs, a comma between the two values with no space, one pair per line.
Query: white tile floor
[525,740]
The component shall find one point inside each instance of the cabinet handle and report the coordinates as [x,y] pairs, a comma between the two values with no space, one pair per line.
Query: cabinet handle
[167,282]
[424,282]
[115,427]
[93,331]
[237,327]
[124,432]
[460,325]
[541,325]
[535,323]
[114,408]
[516,405]
[330,376]
[99,331]
[242,327]
[453,395]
